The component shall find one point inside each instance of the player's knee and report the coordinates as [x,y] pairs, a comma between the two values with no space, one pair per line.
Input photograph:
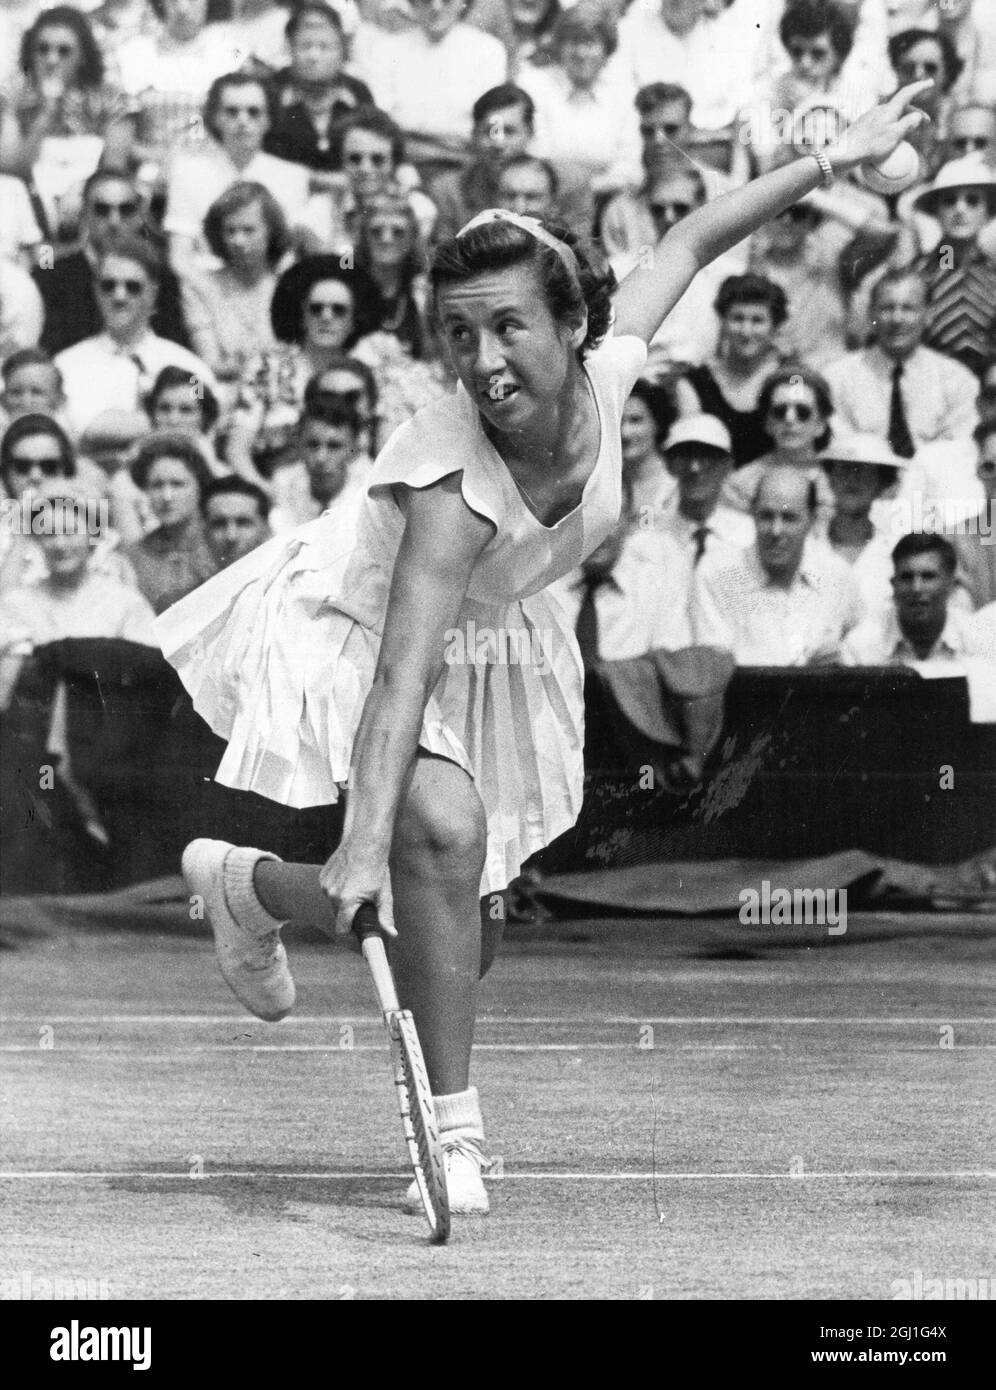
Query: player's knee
[434,831]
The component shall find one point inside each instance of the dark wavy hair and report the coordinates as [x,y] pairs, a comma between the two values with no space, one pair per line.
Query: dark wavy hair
[900,44]
[296,283]
[235,199]
[91,69]
[305,8]
[660,401]
[926,543]
[752,289]
[170,444]
[180,376]
[500,245]
[807,19]
[212,102]
[794,374]
[370,118]
[27,427]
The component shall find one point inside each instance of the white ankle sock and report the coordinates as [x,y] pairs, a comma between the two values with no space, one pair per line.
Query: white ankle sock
[240,891]
[460,1110]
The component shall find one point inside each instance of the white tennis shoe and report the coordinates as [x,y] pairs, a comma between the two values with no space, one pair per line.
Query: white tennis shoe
[465,1161]
[247,939]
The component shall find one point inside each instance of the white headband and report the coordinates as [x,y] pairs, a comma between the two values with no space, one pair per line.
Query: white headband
[534,228]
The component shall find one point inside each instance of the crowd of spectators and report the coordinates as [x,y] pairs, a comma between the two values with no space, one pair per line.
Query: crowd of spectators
[214,223]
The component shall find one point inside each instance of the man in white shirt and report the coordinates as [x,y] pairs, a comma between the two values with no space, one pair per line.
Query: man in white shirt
[786,600]
[236,115]
[113,370]
[692,523]
[428,78]
[704,52]
[920,627]
[898,389]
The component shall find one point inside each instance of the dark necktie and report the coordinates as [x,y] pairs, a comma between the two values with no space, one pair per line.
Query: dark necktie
[700,535]
[899,431]
[586,627]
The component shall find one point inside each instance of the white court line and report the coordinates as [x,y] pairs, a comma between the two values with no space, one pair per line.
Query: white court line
[329,1020]
[96,1049]
[239,1174]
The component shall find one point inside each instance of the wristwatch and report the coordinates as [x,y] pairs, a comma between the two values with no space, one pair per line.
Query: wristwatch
[826,168]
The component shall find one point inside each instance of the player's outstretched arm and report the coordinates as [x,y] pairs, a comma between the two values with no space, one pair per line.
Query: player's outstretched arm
[650,292]
[442,541]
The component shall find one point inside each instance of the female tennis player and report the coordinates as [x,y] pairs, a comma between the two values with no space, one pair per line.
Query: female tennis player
[419,661]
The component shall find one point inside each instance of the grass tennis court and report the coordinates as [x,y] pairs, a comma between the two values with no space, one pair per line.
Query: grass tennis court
[680,1109]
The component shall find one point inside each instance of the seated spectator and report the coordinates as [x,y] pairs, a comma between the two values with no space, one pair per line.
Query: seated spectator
[236,518]
[647,418]
[898,388]
[73,599]
[817,36]
[677,41]
[796,407]
[663,110]
[314,91]
[228,309]
[693,522]
[525,27]
[800,251]
[179,401]
[20,234]
[21,310]
[167,75]
[728,384]
[584,109]
[36,450]
[329,446]
[974,542]
[236,117]
[174,558]
[861,468]
[971,131]
[428,78]
[503,124]
[112,209]
[786,600]
[917,54]
[114,369]
[32,385]
[529,187]
[960,278]
[368,150]
[919,626]
[319,310]
[388,248]
[61,120]
[690,332]
[351,383]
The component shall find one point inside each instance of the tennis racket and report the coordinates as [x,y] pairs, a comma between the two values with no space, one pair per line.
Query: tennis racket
[418,1116]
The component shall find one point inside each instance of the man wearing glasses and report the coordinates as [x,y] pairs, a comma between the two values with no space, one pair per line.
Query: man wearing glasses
[113,369]
[112,209]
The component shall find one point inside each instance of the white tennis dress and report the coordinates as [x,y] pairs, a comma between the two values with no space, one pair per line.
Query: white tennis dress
[278,651]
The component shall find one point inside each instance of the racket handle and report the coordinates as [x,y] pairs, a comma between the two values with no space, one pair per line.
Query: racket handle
[366,925]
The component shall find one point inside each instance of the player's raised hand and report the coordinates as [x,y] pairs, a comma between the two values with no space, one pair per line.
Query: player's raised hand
[876,134]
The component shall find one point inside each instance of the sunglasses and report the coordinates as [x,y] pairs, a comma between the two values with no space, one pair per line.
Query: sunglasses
[56,50]
[966,143]
[133,288]
[376,161]
[959,195]
[338,308]
[102,209]
[783,409]
[670,130]
[388,231]
[919,69]
[818,53]
[50,466]
[675,210]
[254,112]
